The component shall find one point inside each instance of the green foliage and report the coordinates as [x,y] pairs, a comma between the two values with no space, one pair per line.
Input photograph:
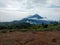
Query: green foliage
[44,25]
[23,26]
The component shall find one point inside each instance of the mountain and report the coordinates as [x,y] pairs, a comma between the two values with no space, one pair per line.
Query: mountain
[25,22]
[36,16]
[36,19]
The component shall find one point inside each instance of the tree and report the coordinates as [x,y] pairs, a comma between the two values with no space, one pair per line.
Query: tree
[44,25]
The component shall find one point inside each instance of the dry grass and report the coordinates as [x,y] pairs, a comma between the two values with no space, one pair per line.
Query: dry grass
[30,38]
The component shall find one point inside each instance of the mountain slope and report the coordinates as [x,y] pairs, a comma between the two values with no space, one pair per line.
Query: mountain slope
[36,19]
[25,22]
[35,16]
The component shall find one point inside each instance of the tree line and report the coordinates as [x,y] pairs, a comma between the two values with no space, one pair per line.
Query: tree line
[25,25]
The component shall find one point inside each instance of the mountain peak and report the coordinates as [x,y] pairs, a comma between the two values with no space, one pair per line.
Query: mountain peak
[35,19]
[36,16]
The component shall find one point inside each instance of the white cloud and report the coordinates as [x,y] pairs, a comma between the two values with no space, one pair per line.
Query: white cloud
[17,9]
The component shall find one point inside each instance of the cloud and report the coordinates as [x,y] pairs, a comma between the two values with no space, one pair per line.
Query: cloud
[54,6]
[2,4]
[21,4]
[27,4]
[37,3]
[18,9]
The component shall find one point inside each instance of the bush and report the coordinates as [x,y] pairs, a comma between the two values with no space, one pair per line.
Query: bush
[10,31]
[4,31]
[44,25]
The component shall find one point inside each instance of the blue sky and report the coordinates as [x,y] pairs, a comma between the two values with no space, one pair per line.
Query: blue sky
[17,9]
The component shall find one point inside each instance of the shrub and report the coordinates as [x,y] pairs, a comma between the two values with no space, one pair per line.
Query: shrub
[44,25]
[4,31]
[10,31]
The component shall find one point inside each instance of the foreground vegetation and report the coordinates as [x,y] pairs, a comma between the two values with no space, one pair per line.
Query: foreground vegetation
[27,26]
[30,34]
[30,38]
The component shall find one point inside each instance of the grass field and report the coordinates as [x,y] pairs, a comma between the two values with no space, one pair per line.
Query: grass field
[30,38]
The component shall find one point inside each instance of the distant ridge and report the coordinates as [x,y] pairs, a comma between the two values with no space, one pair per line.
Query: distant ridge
[36,19]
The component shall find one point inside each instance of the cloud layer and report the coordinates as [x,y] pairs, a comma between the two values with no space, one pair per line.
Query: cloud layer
[17,9]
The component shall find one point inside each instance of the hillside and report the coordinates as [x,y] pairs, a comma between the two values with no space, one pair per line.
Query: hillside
[31,22]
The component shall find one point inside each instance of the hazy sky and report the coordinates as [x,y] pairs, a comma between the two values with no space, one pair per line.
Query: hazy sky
[17,9]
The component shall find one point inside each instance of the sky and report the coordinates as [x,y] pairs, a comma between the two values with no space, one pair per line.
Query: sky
[17,9]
